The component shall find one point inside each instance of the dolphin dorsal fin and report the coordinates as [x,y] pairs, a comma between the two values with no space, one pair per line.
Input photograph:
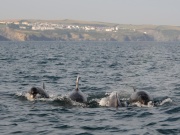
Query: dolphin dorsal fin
[43,85]
[77,83]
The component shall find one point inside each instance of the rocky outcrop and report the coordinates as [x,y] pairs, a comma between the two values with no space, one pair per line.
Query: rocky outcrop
[13,35]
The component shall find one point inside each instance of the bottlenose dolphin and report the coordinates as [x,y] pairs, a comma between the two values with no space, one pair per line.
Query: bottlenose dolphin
[140,96]
[111,101]
[37,91]
[77,95]
[114,100]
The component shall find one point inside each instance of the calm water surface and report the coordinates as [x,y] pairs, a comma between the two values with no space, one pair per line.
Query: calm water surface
[104,67]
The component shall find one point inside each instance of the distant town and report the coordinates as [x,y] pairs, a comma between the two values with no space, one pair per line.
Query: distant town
[42,26]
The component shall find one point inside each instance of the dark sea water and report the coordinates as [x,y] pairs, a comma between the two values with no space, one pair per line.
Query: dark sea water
[104,67]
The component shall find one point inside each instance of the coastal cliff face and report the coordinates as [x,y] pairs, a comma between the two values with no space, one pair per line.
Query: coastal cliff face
[110,33]
[13,35]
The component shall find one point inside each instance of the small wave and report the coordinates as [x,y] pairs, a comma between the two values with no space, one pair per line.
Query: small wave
[3,107]
[169,131]
[174,110]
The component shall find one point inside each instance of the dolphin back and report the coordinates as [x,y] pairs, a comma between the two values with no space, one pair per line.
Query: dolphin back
[141,96]
[114,100]
[42,92]
[78,96]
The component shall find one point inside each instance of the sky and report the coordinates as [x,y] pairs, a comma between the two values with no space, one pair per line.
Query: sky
[156,12]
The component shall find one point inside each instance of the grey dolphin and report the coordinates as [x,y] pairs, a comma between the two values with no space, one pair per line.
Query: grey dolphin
[77,95]
[34,91]
[140,96]
[114,100]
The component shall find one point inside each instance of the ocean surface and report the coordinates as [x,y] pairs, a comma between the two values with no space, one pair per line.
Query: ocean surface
[104,67]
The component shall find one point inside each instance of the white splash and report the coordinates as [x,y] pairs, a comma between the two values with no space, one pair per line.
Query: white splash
[167,100]
[29,97]
[138,104]
[104,101]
